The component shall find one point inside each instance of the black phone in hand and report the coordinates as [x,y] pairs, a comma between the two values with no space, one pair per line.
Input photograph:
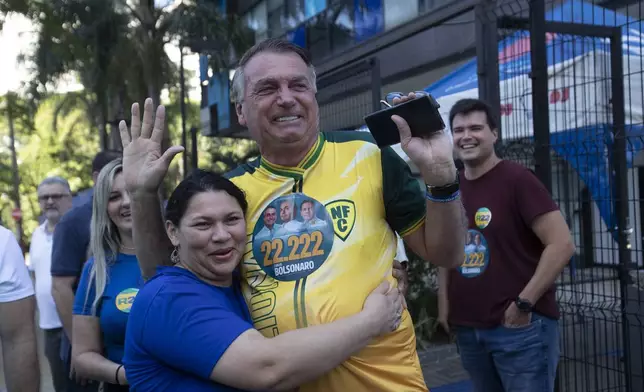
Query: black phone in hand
[421,114]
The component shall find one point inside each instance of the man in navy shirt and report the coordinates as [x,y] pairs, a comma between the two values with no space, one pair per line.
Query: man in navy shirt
[69,253]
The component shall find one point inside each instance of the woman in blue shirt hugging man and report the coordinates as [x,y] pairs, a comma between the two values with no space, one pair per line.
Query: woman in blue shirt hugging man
[190,329]
[110,280]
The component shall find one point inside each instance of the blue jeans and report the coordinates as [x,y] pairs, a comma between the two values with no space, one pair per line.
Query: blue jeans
[506,359]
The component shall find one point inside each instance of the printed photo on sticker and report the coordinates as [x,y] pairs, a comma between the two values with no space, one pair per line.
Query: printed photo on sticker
[293,237]
[477,255]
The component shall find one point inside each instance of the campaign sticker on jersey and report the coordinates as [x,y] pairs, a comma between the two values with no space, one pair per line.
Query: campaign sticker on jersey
[482,217]
[125,299]
[293,237]
[477,255]
[343,215]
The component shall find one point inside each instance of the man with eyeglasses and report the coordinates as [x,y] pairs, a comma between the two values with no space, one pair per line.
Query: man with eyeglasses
[55,199]
[363,193]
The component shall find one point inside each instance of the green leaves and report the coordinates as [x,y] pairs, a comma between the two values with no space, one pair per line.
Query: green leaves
[201,27]
[117,50]
[42,151]
[12,6]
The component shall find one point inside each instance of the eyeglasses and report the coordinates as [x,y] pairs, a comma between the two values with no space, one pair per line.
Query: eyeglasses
[389,98]
[53,196]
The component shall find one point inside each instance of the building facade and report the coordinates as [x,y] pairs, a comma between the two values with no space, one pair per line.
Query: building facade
[413,43]
[362,49]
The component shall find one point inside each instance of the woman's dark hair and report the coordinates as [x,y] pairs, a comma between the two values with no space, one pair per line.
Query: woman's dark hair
[200,181]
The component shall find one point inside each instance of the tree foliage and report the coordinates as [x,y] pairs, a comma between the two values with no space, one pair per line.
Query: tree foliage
[45,147]
[219,154]
[117,49]
[59,139]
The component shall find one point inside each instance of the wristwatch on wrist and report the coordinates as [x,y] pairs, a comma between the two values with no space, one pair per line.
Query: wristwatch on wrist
[524,305]
[443,191]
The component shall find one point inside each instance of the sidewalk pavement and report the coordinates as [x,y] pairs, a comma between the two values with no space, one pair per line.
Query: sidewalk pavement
[441,367]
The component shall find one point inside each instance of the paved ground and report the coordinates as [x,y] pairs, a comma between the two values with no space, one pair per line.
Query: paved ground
[592,350]
[441,367]
[443,371]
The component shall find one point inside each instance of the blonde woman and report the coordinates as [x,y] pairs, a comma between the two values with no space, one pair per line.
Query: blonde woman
[110,280]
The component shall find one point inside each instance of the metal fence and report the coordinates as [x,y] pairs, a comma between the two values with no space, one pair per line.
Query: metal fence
[576,119]
[566,78]
[348,94]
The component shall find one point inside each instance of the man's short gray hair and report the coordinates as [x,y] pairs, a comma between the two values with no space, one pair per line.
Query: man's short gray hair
[56,180]
[272,45]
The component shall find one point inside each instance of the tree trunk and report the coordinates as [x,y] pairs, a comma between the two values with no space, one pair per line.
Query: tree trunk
[102,125]
[116,114]
[152,48]
[151,52]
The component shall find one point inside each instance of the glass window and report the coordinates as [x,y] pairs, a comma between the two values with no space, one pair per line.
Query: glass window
[204,94]
[295,13]
[297,36]
[368,19]
[256,19]
[428,5]
[317,32]
[341,20]
[275,12]
[398,12]
[331,30]
[314,7]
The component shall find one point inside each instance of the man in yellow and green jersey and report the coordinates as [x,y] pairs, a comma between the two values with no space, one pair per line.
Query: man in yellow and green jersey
[323,211]
[310,275]
[340,199]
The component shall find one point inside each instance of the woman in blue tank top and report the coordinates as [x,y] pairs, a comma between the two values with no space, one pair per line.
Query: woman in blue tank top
[109,283]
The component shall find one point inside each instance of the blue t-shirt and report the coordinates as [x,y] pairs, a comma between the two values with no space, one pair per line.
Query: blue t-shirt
[71,240]
[123,283]
[179,327]
[69,253]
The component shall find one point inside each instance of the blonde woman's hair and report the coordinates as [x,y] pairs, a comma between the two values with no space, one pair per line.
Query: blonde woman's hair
[105,240]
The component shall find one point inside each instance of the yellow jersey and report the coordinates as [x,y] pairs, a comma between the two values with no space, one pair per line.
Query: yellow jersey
[320,239]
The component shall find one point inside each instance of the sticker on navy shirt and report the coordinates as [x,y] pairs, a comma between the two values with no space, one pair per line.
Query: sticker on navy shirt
[125,299]
[293,237]
[477,256]
[482,217]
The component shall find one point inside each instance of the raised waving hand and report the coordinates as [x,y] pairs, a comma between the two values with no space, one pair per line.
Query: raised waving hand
[144,165]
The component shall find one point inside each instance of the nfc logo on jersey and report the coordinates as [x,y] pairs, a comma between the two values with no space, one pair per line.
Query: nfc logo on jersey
[343,215]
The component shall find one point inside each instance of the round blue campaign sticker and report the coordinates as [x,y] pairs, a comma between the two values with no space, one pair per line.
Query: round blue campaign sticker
[293,237]
[477,255]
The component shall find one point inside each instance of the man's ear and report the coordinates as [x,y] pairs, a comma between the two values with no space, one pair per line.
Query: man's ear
[240,115]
